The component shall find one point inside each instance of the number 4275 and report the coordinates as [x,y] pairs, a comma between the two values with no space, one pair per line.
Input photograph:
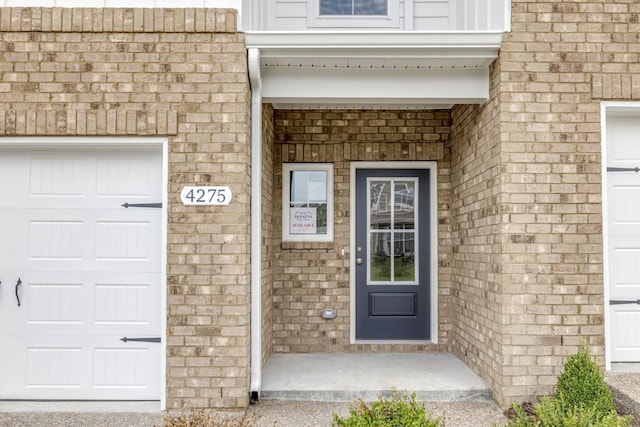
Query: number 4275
[192,195]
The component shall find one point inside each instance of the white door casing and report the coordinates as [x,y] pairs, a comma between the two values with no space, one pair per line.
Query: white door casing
[89,273]
[622,239]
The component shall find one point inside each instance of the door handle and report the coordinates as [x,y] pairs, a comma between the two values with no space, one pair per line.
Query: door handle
[17,286]
[358,261]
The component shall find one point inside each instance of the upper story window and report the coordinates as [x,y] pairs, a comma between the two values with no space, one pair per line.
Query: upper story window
[353,13]
[353,7]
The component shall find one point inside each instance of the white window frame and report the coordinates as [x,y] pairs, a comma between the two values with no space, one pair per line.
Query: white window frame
[287,168]
[391,20]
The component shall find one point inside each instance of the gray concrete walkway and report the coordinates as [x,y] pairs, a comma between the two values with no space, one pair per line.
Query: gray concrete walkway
[624,382]
[348,376]
[307,389]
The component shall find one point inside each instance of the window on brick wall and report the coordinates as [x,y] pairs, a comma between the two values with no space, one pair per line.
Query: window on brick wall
[353,13]
[307,202]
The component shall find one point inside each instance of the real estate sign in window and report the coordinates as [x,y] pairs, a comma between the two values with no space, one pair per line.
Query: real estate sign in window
[307,202]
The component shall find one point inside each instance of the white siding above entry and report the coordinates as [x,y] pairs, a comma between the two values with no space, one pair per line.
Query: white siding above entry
[403,15]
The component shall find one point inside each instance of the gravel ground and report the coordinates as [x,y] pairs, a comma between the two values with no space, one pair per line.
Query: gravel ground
[271,413]
[319,414]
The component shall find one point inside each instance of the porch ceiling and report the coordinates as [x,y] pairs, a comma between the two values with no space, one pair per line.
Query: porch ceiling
[374,69]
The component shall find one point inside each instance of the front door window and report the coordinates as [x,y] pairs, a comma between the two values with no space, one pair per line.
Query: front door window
[392,220]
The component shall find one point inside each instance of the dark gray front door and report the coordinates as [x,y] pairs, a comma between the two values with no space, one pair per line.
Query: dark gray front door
[392,254]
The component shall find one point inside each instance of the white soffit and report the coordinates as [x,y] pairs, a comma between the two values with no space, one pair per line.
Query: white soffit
[375,69]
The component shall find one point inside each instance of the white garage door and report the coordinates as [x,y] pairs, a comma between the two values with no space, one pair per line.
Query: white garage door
[79,272]
[623,209]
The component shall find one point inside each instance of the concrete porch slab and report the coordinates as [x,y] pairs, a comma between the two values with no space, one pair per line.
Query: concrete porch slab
[335,377]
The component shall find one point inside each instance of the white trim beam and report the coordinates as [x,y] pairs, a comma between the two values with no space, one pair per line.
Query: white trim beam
[375,86]
[375,40]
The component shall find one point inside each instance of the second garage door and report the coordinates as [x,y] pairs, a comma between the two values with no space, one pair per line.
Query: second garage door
[79,272]
[623,201]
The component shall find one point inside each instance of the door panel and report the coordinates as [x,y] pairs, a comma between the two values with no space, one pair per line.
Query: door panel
[392,254]
[89,273]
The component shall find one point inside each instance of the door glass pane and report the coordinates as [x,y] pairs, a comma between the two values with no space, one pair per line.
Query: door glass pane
[392,223]
[404,257]
[380,257]
[380,205]
[404,206]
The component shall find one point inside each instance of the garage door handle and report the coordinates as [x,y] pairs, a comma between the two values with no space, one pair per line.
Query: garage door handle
[17,286]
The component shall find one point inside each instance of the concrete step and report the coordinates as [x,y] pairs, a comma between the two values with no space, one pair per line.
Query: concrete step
[335,377]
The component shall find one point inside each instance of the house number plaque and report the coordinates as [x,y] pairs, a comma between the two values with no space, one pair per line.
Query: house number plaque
[206,196]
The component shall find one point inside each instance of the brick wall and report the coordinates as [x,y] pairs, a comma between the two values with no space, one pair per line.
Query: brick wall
[268,242]
[179,73]
[558,63]
[311,276]
[477,223]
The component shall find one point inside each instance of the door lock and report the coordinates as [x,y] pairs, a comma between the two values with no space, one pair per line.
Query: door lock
[358,261]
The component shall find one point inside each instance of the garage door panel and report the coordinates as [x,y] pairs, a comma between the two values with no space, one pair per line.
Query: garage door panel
[626,334]
[89,272]
[624,255]
[102,367]
[623,129]
[623,187]
[124,240]
[75,304]
[84,240]
[98,179]
[131,177]
[125,304]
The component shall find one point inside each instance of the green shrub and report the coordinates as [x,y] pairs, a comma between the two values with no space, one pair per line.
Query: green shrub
[582,399]
[398,411]
[582,383]
[550,412]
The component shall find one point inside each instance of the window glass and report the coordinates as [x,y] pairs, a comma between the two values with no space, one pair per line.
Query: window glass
[353,7]
[307,202]
[392,230]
